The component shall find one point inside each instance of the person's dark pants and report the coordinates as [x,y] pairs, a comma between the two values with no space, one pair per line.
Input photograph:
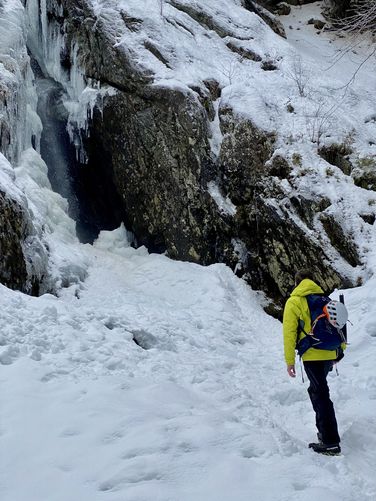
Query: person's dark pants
[318,391]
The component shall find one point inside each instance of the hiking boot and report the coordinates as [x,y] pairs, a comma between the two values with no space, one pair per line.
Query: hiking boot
[328,449]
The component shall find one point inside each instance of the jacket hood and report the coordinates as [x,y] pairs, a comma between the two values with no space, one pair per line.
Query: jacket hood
[306,287]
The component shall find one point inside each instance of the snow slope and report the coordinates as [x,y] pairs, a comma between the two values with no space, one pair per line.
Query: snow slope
[204,412]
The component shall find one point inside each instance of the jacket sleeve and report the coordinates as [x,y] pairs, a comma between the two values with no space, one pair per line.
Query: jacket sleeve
[290,330]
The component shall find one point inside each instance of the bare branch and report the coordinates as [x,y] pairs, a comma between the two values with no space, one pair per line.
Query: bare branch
[357,27]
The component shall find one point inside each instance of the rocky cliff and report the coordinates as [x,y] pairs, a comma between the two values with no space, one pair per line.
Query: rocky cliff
[185,119]
[156,136]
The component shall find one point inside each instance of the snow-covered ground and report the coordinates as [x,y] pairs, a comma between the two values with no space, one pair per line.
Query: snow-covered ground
[156,380]
[203,410]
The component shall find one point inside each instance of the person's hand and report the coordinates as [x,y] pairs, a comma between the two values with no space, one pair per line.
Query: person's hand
[291,370]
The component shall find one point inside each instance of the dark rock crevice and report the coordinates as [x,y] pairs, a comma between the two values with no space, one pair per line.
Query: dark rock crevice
[266,16]
[88,187]
[156,53]
[337,155]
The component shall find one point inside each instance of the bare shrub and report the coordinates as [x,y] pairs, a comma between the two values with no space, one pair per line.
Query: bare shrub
[299,74]
[320,120]
[357,23]
[356,16]
[230,69]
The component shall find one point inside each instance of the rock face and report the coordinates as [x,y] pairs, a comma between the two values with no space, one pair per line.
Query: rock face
[14,232]
[156,142]
[161,165]
[276,245]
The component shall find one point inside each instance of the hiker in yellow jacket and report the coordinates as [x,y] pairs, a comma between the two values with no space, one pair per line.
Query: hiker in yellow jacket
[317,363]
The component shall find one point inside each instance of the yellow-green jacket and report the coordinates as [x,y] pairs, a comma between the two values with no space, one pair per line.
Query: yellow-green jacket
[296,309]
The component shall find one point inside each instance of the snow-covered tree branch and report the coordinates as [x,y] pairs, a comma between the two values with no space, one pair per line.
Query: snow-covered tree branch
[357,16]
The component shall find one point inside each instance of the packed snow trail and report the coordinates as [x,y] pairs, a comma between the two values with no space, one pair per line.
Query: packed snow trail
[204,411]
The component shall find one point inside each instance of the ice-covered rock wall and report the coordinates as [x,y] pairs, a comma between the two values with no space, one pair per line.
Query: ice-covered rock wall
[19,123]
[93,200]
[23,258]
[37,237]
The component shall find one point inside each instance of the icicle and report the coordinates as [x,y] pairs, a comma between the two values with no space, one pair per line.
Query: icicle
[84,94]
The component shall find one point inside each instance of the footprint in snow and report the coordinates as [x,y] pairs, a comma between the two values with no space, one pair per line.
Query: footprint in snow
[69,432]
[299,486]
[128,477]
[52,375]
[371,329]
[288,397]
[113,437]
[9,354]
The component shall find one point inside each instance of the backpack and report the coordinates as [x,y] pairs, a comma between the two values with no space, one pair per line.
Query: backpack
[328,323]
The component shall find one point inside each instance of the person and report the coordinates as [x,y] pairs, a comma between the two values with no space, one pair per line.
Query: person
[317,362]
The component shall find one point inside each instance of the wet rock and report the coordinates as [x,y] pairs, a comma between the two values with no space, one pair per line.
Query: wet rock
[276,245]
[214,88]
[98,51]
[308,209]
[161,163]
[12,232]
